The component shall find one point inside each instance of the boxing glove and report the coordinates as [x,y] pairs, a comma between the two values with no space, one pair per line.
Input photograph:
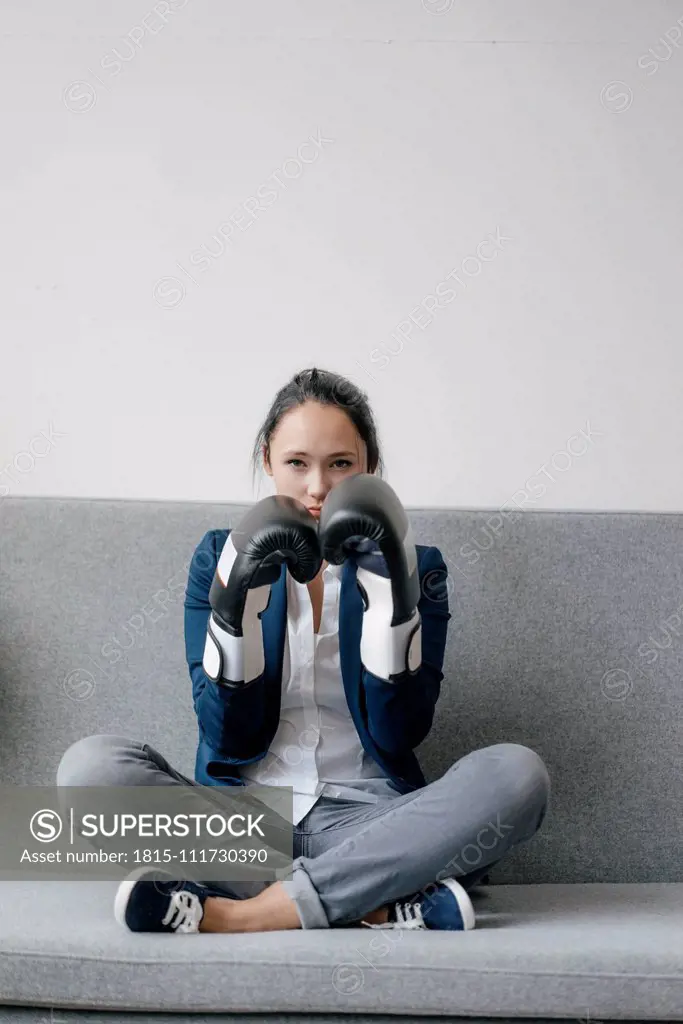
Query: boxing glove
[276,530]
[363,518]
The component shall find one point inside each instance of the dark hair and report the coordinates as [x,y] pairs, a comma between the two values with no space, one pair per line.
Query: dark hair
[327,388]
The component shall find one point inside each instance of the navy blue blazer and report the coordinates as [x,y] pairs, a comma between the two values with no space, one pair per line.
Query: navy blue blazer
[392,718]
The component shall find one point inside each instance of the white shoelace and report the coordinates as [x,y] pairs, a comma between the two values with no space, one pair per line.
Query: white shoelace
[184,912]
[408,915]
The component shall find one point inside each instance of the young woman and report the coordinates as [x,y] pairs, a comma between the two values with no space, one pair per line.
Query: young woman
[374,844]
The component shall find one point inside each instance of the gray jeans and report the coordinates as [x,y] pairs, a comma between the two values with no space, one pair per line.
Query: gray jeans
[351,858]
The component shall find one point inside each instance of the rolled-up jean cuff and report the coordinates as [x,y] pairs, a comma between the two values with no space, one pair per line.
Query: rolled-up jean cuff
[300,889]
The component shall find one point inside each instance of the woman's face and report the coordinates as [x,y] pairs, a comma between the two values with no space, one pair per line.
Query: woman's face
[314,448]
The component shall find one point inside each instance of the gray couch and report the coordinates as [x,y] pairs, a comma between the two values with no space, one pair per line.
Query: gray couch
[566,636]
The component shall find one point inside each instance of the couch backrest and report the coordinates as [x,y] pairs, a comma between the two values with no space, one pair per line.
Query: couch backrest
[566,635]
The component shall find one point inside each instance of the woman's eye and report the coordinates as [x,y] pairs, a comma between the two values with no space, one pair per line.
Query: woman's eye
[292,462]
[342,463]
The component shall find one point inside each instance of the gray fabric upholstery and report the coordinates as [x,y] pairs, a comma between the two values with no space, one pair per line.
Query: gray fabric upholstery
[37,1015]
[612,950]
[545,649]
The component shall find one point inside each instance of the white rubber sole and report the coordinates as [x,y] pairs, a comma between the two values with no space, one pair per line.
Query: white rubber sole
[463,900]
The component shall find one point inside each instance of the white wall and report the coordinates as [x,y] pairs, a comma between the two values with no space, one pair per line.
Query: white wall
[443,124]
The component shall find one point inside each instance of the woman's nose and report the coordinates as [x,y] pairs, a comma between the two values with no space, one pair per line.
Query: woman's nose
[317,489]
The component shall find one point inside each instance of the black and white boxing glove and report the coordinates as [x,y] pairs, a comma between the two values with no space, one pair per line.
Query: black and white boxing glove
[362,518]
[276,530]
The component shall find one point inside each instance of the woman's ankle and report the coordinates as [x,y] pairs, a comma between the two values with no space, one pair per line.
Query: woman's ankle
[216,915]
[271,910]
[379,916]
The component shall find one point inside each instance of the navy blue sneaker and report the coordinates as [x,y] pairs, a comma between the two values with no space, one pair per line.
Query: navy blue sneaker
[447,908]
[152,900]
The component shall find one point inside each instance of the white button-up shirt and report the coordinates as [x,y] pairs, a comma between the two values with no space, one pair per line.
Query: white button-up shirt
[316,749]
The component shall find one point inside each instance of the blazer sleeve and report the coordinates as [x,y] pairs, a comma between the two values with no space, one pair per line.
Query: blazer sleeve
[230,720]
[400,713]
